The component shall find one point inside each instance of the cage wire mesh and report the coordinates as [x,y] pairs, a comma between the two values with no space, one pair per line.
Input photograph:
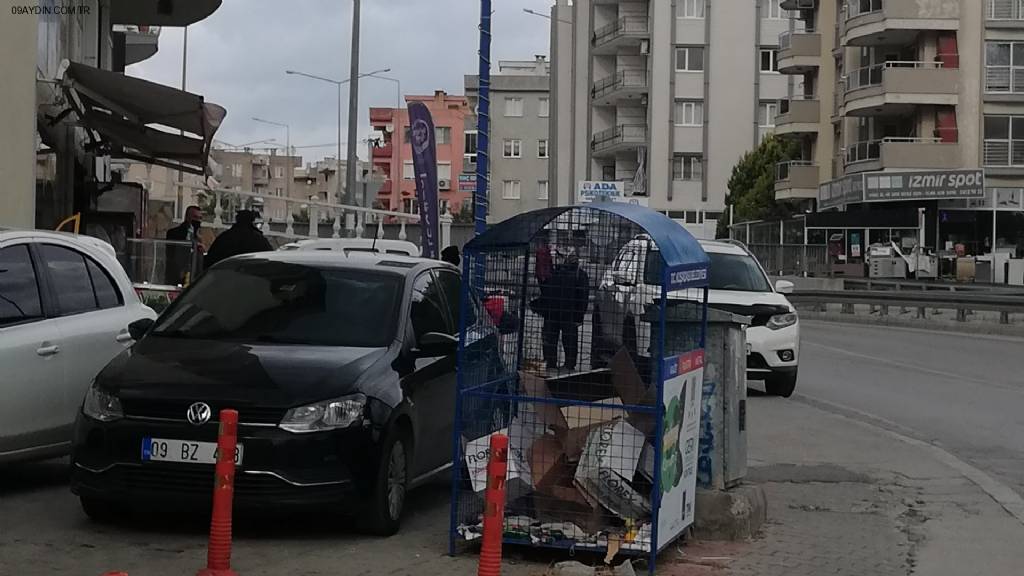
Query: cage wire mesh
[584,346]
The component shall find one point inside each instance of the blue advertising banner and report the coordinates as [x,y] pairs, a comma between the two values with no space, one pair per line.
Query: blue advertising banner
[424,159]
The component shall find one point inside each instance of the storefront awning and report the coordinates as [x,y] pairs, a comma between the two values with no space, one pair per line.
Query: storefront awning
[161,12]
[133,118]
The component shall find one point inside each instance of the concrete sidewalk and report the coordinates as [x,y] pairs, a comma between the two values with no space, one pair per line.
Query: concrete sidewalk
[848,497]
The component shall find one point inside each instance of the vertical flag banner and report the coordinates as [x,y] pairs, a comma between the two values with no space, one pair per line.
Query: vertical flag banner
[424,159]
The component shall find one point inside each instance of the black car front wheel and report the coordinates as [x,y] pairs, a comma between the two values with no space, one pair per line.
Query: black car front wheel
[780,383]
[384,509]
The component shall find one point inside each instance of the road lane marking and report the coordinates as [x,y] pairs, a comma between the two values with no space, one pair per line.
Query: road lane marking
[1003,494]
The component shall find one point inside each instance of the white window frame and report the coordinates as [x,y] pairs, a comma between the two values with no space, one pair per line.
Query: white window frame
[511,189]
[690,62]
[446,130]
[690,9]
[544,107]
[542,189]
[772,10]
[1013,144]
[278,191]
[444,171]
[688,163]
[542,149]
[689,113]
[512,148]
[408,170]
[771,110]
[513,107]
[774,64]
[236,170]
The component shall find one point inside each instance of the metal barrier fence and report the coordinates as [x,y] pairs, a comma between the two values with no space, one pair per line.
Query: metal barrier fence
[962,303]
[792,259]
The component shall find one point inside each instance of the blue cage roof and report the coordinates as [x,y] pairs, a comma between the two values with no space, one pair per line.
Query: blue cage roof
[678,247]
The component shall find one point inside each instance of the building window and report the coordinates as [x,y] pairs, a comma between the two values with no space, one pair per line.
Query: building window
[278,171]
[608,172]
[544,108]
[236,170]
[408,170]
[542,189]
[771,10]
[1004,66]
[769,60]
[407,136]
[1004,141]
[410,206]
[513,148]
[278,192]
[444,170]
[443,134]
[766,112]
[542,148]
[687,167]
[690,58]
[690,9]
[689,113]
[513,106]
[510,189]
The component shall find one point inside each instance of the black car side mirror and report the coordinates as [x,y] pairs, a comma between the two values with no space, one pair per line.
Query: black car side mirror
[139,328]
[435,344]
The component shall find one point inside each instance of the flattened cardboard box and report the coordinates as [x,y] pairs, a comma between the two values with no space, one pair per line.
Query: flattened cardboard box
[607,467]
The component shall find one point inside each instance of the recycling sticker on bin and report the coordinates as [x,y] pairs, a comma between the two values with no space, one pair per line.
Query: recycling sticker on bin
[684,375]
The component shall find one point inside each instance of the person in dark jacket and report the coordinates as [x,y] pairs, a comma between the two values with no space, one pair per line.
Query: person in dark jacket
[451,256]
[564,307]
[242,238]
[180,258]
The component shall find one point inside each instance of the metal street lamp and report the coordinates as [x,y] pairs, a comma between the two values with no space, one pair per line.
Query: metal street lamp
[288,151]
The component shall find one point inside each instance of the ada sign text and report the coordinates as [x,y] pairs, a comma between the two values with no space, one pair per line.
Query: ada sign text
[600,191]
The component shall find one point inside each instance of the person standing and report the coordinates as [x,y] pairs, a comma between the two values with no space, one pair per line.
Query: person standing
[242,238]
[564,306]
[184,263]
[451,256]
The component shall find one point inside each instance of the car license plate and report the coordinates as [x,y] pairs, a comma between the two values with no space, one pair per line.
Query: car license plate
[165,450]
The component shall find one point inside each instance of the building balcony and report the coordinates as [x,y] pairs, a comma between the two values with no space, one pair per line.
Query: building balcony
[161,12]
[799,51]
[617,139]
[626,32]
[798,4]
[798,116]
[621,88]
[895,22]
[895,88]
[385,151]
[140,42]
[796,179]
[902,154]
[381,116]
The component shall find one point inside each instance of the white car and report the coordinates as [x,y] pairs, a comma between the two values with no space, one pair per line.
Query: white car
[65,307]
[356,245]
[738,284]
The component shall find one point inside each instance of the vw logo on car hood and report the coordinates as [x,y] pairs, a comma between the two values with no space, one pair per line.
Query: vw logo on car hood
[199,413]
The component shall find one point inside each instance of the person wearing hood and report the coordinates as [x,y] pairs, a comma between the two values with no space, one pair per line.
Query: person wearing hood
[242,238]
[563,308]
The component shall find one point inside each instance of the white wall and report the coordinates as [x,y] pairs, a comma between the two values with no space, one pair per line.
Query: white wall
[17,120]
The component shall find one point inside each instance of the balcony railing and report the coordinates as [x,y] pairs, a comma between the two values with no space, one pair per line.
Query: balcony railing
[784,103]
[1004,9]
[856,8]
[867,76]
[872,149]
[621,27]
[1004,79]
[626,133]
[1004,153]
[624,79]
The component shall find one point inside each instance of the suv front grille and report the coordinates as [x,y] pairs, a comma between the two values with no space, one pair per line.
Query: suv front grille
[176,410]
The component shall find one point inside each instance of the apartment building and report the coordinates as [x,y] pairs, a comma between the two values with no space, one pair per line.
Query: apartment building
[271,175]
[901,105]
[520,147]
[665,96]
[393,160]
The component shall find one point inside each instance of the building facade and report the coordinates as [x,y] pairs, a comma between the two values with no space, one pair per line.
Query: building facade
[908,106]
[392,159]
[520,147]
[665,96]
[273,176]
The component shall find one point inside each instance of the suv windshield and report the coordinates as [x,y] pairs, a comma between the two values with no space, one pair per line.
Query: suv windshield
[736,272]
[277,302]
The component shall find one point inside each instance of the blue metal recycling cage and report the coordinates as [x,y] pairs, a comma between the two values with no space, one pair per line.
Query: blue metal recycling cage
[573,363]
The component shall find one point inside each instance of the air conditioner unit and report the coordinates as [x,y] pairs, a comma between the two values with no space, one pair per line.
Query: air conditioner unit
[444,184]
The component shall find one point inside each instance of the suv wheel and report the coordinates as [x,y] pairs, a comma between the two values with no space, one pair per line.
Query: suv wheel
[390,486]
[780,383]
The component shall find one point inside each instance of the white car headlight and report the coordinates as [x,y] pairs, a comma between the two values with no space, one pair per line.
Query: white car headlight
[327,415]
[102,406]
[780,321]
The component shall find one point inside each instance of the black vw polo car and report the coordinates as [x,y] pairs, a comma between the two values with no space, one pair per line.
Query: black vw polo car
[342,370]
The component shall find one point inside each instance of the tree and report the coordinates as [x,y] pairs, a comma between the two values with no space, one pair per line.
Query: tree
[752,183]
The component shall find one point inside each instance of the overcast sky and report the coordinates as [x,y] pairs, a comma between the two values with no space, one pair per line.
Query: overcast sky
[238,56]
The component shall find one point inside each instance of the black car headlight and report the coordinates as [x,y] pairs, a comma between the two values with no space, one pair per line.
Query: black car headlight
[327,415]
[102,406]
[780,321]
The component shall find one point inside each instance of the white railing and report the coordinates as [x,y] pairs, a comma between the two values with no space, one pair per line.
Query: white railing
[1004,9]
[873,75]
[1003,153]
[872,149]
[1004,79]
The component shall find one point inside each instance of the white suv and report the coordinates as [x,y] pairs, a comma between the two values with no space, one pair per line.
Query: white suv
[738,284]
[65,308]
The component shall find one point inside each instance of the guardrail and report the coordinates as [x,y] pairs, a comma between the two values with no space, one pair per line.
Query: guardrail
[963,303]
[885,284]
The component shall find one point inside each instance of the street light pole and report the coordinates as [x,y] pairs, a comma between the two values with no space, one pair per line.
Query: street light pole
[353,120]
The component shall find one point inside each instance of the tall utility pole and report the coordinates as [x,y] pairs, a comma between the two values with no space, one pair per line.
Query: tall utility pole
[483,122]
[180,195]
[353,121]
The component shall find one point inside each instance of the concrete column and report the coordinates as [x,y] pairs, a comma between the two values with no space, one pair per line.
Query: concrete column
[660,103]
[18,117]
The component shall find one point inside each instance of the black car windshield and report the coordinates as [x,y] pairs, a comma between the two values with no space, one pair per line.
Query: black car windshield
[261,301]
[736,272]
